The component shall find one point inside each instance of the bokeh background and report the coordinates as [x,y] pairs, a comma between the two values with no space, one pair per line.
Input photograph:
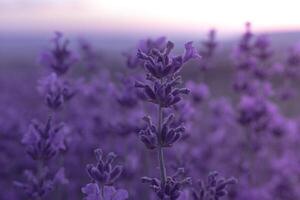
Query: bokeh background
[105,109]
[115,25]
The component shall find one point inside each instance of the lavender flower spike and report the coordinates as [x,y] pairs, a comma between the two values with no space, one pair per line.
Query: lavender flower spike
[163,90]
[60,58]
[190,52]
[104,172]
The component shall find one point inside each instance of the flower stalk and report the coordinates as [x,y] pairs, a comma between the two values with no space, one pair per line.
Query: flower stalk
[163,171]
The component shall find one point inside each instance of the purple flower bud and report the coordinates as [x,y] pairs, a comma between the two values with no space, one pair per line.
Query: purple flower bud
[190,52]
[55,91]
[104,172]
[213,188]
[59,58]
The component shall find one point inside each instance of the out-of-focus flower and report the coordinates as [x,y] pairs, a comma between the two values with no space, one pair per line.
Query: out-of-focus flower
[44,140]
[214,188]
[245,46]
[208,50]
[36,187]
[251,109]
[210,45]
[60,58]
[293,59]
[262,47]
[89,56]
[127,96]
[199,92]
[190,52]
[108,193]
[55,91]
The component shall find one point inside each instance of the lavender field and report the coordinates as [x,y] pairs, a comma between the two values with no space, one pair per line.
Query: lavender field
[210,119]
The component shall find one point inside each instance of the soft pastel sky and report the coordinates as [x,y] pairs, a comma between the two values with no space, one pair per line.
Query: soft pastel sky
[152,16]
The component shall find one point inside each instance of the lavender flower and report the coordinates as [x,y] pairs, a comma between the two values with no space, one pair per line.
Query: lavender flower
[89,56]
[199,92]
[128,96]
[167,137]
[208,50]
[55,91]
[262,46]
[172,188]
[104,173]
[41,184]
[162,72]
[103,176]
[293,59]
[214,188]
[144,46]
[60,58]
[245,46]
[44,140]
[36,186]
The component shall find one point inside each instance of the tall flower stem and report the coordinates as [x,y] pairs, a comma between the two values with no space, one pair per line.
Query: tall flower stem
[40,167]
[250,154]
[163,172]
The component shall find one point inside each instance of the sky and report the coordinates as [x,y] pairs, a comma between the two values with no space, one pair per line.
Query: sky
[151,16]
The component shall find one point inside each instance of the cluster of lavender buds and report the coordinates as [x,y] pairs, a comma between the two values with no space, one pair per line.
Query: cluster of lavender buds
[252,62]
[214,188]
[171,189]
[89,55]
[103,176]
[104,173]
[163,74]
[288,73]
[55,90]
[167,136]
[60,58]
[144,46]
[208,50]
[45,141]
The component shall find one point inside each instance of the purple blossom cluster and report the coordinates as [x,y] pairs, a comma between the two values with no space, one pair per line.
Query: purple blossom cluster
[175,136]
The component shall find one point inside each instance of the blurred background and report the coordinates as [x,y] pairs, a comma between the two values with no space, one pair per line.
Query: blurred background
[105,34]
[115,25]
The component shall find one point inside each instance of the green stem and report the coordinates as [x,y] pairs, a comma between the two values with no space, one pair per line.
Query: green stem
[163,172]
